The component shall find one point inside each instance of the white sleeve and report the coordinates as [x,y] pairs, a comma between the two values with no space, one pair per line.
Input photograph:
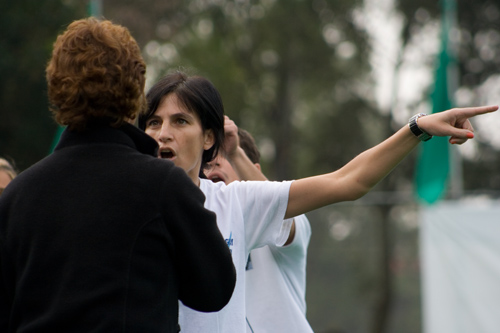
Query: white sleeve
[292,260]
[302,236]
[264,204]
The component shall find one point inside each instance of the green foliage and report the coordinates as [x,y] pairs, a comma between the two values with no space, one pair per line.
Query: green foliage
[277,73]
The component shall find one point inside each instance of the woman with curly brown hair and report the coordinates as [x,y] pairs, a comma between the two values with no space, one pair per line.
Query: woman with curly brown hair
[101,235]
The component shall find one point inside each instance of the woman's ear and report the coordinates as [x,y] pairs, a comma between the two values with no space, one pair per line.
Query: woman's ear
[209,139]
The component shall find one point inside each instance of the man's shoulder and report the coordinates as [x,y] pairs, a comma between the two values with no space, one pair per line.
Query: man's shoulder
[209,187]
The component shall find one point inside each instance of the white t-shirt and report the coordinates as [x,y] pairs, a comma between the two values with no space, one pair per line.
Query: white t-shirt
[276,285]
[249,215]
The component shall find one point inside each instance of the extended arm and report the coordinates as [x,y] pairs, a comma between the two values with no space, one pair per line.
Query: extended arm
[362,173]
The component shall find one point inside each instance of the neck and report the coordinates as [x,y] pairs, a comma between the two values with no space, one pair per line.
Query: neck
[197,181]
[194,177]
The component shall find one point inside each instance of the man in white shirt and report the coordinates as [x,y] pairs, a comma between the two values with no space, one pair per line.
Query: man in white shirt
[275,275]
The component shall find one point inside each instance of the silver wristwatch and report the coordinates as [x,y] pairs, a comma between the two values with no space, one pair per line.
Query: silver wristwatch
[419,133]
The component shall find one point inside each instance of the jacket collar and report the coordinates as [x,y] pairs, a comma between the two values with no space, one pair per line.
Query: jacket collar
[126,134]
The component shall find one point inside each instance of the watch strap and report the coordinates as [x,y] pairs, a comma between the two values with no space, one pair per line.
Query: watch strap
[417,131]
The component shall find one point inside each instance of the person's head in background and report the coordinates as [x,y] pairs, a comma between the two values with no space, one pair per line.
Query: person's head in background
[186,117]
[96,75]
[221,170]
[7,173]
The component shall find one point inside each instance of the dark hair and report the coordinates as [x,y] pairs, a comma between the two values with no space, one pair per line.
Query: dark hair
[96,73]
[247,143]
[197,94]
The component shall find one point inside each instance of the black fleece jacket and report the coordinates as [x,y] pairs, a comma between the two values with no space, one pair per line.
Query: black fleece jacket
[102,236]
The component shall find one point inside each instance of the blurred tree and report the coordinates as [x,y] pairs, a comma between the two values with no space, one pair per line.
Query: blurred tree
[28,29]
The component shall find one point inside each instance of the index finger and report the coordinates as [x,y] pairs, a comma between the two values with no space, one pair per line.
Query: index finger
[478,110]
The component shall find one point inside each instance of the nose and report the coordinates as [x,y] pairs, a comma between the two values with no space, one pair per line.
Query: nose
[165,133]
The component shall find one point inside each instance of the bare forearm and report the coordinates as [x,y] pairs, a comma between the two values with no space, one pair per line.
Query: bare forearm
[370,167]
[353,180]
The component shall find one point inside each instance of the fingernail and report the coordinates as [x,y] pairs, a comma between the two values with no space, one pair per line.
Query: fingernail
[470,135]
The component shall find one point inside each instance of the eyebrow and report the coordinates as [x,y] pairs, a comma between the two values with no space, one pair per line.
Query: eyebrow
[177,114]
[183,112]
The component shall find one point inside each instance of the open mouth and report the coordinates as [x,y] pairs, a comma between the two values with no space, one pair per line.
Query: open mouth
[168,154]
[216,179]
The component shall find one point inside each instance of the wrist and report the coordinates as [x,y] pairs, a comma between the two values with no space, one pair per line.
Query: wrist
[416,130]
[235,154]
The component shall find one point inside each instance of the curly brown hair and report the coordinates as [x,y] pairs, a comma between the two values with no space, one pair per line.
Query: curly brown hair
[96,73]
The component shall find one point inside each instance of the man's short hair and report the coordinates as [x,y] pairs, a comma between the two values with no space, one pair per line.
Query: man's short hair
[247,143]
